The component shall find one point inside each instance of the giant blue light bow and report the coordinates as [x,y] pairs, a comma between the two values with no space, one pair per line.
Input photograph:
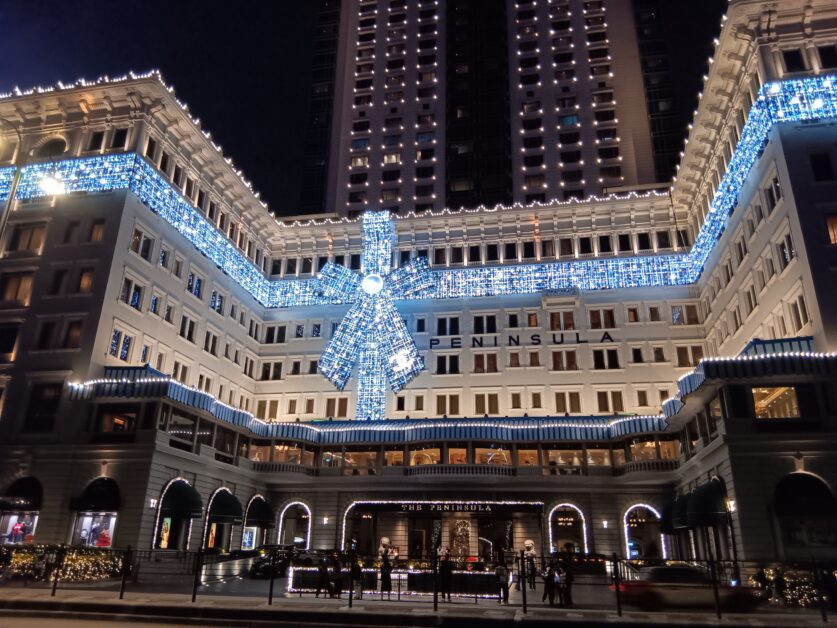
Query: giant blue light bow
[372,335]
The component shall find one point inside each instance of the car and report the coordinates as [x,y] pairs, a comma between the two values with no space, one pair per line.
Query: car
[686,586]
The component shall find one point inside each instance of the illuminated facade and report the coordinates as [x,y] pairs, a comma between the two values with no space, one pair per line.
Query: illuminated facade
[535,371]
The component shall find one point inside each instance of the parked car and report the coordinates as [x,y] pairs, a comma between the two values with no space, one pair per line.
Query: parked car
[672,586]
[261,565]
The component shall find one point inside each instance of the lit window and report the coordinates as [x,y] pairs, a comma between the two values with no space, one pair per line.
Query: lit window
[778,402]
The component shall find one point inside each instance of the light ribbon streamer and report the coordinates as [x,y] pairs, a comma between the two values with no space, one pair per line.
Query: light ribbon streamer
[372,336]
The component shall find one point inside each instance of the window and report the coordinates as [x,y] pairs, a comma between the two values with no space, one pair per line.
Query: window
[605,359]
[798,313]
[821,167]
[561,321]
[57,284]
[567,402]
[187,328]
[120,136]
[337,407]
[659,354]
[142,244]
[602,319]
[16,287]
[46,332]
[447,405]
[27,238]
[654,314]
[216,302]
[684,315]
[786,251]
[447,364]
[44,400]
[97,231]
[120,345]
[564,360]
[72,335]
[8,341]
[831,223]
[609,401]
[194,284]
[689,356]
[131,293]
[487,403]
[485,324]
[447,326]
[485,363]
[794,61]
[779,402]
[633,314]
[642,398]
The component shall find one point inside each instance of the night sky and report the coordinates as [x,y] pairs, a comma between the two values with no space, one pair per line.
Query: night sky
[242,66]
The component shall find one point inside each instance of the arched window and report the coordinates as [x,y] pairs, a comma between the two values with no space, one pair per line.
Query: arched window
[567,529]
[295,525]
[643,538]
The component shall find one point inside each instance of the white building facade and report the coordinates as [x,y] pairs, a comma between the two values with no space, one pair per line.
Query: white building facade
[586,364]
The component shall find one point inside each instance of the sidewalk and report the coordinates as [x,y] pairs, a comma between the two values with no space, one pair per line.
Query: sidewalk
[216,610]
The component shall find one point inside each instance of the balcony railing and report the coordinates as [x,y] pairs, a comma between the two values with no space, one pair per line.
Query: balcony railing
[283,467]
[460,469]
[647,465]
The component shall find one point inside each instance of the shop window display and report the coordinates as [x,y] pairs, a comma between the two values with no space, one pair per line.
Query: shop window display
[94,529]
[18,528]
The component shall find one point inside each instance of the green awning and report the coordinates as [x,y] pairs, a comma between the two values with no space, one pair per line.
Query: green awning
[707,505]
[181,500]
[679,512]
[101,495]
[804,494]
[23,494]
[225,508]
[260,514]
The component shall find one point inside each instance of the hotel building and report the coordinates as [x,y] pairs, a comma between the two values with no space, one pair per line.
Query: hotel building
[646,374]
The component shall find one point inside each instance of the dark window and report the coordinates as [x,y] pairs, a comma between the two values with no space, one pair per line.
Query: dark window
[43,406]
[794,61]
[821,167]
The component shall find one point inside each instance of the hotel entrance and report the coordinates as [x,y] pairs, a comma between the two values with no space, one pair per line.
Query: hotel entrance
[470,530]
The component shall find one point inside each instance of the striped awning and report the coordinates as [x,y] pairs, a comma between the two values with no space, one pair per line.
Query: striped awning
[147,383]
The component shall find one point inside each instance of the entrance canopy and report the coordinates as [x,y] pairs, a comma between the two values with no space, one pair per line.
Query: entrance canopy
[101,495]
[225,508]
[804,494]
[260,514]
[25,493]
[181,500]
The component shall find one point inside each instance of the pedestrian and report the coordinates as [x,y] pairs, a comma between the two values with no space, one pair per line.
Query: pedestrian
[779,586]
[446,576]
[549,583]
[336,575]
[356,574]
[568,582]
[323,582]
[386,573]
[502,574]
[530,556]
[560,584]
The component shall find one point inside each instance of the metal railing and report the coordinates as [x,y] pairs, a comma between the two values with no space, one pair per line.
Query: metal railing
[577,580]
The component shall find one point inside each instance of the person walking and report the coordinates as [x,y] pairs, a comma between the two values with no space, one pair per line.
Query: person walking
[502,574]
[446,576]
[323,581]
[568,582]
[356,574]
[386,573]
[549,583]
[559,578]
[530,555]
[336,575]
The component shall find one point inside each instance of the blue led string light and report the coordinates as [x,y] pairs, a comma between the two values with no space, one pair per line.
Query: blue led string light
[372,335]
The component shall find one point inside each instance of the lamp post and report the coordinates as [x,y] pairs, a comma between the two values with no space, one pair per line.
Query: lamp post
[4,219]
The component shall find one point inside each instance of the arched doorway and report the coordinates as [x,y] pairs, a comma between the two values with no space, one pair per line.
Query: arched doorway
[20,505]
[179,504]
[224,512]
[258,519]
[643,538]
[567,529]
[806,509]
[295,525]
[96,510]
